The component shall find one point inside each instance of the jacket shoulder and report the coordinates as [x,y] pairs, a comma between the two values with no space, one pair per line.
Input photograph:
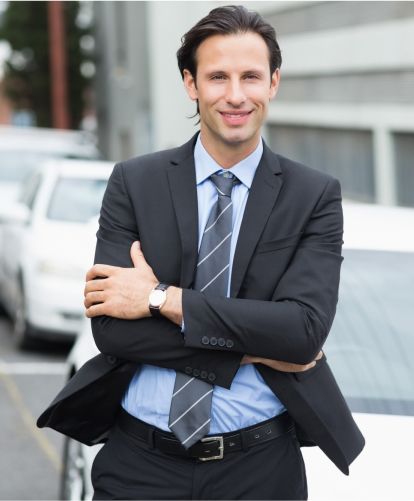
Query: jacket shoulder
[158,160]
[303,173]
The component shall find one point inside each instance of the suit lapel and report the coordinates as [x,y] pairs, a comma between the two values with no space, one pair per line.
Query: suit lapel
[263,194]
[183,186]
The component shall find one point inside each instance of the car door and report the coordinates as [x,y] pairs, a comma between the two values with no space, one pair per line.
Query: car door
[13,238]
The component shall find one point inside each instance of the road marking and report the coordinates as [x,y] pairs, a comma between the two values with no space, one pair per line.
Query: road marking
[29,420]
[33,368]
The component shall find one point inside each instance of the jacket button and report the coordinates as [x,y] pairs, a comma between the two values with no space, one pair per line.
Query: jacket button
[205,340]
[112,360]
[188,370]
[229,343]
[203,374]
[222,342]
[196,372]
[212,376]
[213,341]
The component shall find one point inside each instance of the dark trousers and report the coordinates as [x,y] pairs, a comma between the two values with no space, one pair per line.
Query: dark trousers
[127,468]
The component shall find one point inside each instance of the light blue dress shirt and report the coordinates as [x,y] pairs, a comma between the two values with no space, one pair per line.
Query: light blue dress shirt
[249,400]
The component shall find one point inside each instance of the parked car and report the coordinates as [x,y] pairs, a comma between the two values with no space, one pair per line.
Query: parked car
[22,149]
[47,247]
[369,350]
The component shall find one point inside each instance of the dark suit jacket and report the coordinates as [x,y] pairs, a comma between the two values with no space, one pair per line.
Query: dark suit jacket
[284,291]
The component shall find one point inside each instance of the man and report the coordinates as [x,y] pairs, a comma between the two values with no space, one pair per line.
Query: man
[212,340]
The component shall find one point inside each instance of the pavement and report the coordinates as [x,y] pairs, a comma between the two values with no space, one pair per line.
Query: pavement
[30,458]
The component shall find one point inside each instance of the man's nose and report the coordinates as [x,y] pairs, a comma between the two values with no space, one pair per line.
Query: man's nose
[235,94]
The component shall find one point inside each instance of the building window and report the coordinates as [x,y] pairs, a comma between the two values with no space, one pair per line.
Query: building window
[404,162]
[344,154]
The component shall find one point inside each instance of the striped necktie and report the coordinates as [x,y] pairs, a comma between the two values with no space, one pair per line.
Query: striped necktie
[191,401]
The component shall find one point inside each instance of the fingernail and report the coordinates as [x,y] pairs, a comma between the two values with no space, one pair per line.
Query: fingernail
[137,244]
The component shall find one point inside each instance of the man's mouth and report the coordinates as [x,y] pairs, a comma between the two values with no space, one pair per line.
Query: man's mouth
[234,115]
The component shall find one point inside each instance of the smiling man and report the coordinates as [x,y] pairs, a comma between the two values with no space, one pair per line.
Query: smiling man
[214,290]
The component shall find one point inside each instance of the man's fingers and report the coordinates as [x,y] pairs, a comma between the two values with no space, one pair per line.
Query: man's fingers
[94,297]
[247,359]
[95,310]
[136,253]
[100,270]
[94,285]
[320,355]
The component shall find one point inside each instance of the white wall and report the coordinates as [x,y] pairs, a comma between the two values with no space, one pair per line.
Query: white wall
[170,104]
[382,46]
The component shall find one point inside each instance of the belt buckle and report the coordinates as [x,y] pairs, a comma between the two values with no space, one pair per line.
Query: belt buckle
[221,447]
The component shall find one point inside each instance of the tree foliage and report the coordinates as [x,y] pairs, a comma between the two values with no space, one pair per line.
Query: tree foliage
[27,72]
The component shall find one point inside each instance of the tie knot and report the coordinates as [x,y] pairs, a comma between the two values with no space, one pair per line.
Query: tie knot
[223,184]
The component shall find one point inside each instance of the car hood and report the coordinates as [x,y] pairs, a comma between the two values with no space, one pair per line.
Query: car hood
[72,244]
[382,471]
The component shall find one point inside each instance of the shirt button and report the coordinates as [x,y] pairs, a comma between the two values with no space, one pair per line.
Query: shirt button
[226,174]
[212,376]
[203,374]
[229,343]
[196,372]
[112,360]
[188,370]
[222,342]
[213,341]
[205,340]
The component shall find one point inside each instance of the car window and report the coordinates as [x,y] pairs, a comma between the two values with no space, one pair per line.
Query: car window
[30,190]
[76,200]
[371,345]
[17,165]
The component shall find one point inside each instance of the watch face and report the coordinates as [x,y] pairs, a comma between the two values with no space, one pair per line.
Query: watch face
[157,298]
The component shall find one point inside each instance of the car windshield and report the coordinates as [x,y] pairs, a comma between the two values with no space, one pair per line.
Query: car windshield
[15,166]
[76,200]
[371,345]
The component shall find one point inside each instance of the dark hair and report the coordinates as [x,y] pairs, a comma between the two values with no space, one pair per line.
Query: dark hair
[227,20]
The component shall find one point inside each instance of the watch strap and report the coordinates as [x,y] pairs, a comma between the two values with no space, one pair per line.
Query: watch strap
[161,286]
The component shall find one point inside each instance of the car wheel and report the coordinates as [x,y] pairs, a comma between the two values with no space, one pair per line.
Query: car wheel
[72,485]
[21,332]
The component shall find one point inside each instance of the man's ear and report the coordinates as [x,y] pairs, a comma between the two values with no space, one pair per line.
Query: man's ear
[274,84]
[190,85]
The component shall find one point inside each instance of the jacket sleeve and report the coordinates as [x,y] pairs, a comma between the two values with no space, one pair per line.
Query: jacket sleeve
[294,325]
[154,341]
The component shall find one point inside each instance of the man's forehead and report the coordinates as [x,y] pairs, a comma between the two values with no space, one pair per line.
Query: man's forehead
[233,48]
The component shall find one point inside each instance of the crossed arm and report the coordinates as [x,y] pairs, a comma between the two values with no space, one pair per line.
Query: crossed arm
[124,294]
[287,331]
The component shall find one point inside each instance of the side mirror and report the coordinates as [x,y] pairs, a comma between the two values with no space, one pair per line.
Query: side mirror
[14,213]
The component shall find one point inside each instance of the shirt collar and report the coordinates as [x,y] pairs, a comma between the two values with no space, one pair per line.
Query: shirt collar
[245,170]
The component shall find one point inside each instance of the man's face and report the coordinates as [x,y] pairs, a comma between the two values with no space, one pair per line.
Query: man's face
[233,87]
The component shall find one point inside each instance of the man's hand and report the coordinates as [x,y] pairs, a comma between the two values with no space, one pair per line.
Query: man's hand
[280,366]
[124,292]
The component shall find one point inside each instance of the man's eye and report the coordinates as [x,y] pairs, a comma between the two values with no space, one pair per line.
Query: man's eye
[252,76]
[217,77]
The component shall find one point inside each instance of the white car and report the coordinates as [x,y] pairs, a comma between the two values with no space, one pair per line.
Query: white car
[22,149]
[369,349]
[48,245]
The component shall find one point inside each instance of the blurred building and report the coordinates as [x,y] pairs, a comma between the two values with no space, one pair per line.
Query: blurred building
[345,104]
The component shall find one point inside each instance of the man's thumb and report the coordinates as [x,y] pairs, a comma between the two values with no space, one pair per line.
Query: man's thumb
[136,253]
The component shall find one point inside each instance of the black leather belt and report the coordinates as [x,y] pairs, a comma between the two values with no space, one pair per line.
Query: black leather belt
[210,447]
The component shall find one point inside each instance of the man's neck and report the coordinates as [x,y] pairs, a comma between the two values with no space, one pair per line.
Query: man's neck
[227,154]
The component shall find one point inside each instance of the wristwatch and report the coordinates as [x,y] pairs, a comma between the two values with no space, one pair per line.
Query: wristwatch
[157,299]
